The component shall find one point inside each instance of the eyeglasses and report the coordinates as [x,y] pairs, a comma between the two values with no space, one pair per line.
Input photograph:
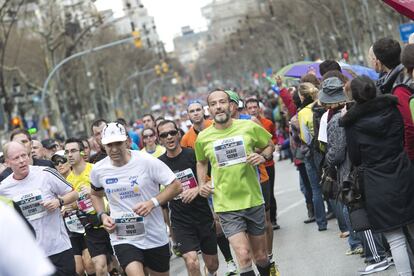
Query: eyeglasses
[171,133]
[147,136]
[60,161]
[71,151]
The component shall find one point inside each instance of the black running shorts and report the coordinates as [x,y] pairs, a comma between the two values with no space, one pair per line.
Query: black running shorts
[156,259]
[98,242]
[78,244]
[194,237]
[266,194]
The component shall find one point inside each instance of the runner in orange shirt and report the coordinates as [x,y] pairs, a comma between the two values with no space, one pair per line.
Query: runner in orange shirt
[253,108]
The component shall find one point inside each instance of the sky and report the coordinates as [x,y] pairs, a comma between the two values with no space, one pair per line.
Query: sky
[169,15]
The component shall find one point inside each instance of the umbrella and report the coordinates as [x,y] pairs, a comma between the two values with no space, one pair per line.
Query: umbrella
[404,7]
[298,69]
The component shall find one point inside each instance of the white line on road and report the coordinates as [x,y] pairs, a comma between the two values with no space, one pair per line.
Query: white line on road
[290,207]
[286,191]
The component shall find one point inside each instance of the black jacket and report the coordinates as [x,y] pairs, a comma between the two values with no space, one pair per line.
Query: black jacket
[374,135]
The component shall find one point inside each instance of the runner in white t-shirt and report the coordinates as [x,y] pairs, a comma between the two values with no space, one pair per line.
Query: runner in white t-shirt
[130,180]
[40,192]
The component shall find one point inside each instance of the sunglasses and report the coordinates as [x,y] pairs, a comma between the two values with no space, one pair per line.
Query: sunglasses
[147,136]
[60,161]
[171,133]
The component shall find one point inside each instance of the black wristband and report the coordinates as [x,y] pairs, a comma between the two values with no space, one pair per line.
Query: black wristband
[61,202]
[99,215]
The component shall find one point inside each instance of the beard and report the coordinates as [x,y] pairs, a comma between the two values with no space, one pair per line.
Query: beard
[222,119]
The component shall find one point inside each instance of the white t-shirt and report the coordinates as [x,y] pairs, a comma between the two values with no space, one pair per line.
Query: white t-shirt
[41,184]
[323,128]
[19,253]
[125,186]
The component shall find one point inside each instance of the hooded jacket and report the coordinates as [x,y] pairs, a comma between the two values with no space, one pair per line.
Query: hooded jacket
[397,84]
[374,136]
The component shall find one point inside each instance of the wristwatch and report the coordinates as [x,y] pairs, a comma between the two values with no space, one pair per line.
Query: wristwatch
[61,202]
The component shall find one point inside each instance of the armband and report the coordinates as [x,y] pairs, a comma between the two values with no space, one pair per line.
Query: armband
[155,201]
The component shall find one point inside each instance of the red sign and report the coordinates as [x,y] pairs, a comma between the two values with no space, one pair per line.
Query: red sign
[405,7]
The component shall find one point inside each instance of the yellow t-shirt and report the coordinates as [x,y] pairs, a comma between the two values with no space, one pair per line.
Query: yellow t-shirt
[159,150]
[79,183]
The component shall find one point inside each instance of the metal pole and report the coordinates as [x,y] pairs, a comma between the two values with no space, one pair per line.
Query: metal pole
[119,88]
[57,67]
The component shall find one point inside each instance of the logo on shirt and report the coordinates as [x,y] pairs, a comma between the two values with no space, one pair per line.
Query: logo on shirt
[134,183]
[111,180]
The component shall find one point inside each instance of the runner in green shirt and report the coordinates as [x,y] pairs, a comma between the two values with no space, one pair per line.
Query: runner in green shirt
[230,146]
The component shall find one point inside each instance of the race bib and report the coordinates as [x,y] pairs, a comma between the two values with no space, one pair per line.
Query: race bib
[230,151]
[30,204]
[73,224]
[129,227]
[187,179]
[85,203]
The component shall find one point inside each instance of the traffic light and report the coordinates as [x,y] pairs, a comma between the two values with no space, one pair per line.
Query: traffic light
[16,122]
[164,67]
[157,70]
[137,39]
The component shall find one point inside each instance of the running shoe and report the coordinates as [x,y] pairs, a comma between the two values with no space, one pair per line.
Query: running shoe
[231,268]
[375,267]
[274,270]
[357,250]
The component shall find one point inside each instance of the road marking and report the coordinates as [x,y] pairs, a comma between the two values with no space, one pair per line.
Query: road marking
[286,191]
[290,207]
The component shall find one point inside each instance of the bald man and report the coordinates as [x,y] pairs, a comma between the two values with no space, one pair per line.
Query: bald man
[40,192]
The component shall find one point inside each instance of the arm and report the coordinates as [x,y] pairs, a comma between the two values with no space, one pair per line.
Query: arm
[99,206]
[205,188]
[172,190]
[266,154]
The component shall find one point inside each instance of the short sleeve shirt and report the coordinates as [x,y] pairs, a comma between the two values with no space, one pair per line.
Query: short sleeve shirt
[79,182]
[41,184]
[236,186]
[137,181]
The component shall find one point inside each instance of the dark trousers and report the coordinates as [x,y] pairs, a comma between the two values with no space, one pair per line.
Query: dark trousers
[273,205]
[64,263]
[306,183]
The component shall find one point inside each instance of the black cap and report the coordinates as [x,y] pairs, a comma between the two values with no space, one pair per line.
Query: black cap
[49,143]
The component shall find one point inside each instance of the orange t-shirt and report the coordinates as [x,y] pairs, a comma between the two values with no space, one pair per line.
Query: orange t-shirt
[270,127]
[188,140]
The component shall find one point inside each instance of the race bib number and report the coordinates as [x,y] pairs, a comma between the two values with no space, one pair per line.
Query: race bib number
[187,179]
[73,224]
[230,151]
[30,204]
[129,227]
[85,203]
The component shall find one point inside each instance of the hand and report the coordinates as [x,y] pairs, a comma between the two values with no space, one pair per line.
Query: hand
[66,208]
[255,159]
[108,223]
[143,208]
[51,205]
[279,81]
[87,191]
[206,189]
[189,195]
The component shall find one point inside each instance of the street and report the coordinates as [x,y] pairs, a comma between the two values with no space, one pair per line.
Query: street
[299,248]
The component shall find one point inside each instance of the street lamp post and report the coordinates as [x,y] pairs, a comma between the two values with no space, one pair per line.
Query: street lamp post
[64,61]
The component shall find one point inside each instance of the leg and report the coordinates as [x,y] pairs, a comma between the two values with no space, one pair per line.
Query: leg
[373,247]
[337,208]
[258,245]
[101,268]
[212,262]
[192,263]
[398,245]
[157,260]
[273,204]
[269,234]
[317,199]
[134,269]
[222,241]
[240,244]
[64,263]
[79,265]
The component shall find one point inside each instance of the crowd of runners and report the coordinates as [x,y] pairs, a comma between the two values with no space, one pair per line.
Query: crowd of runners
[199,178]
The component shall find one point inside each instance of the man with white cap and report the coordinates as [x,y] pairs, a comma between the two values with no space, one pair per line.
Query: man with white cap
[130,180]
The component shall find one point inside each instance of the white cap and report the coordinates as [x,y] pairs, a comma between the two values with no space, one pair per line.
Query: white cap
[113,132]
